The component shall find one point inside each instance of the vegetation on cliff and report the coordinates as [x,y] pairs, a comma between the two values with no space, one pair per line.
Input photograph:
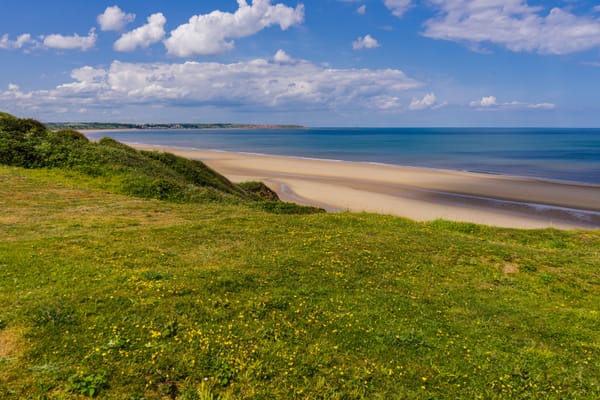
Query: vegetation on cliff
[114,166]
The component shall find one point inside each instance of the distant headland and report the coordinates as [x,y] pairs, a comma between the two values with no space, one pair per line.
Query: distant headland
[118,125]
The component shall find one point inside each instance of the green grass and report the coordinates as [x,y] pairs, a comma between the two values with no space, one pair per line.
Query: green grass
[107,295]
[142,275]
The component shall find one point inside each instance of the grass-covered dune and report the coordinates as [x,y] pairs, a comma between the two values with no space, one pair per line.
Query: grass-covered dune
[107,294]
[116,167]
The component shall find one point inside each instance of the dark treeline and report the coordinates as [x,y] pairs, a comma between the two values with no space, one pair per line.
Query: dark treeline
[118,125]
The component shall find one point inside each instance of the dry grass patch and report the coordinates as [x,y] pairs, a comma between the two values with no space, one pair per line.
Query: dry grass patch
[10,219]
[510,268]
[11,343]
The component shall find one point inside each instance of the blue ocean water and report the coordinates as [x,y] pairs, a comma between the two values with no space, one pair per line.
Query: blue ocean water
[555,153]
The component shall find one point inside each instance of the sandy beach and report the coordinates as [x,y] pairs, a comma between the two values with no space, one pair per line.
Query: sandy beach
[417,193]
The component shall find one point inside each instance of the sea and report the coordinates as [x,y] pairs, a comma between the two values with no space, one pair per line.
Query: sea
[560,154]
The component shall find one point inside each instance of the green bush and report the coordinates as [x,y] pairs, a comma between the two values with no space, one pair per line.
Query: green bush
[18,138]
[260,190]
[54,315]
[280,207]
[196,172]
[87,385]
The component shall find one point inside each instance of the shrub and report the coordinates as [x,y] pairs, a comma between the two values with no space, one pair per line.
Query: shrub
[261,190]
[87,385]
[195,172]
[280,207]
[59,314]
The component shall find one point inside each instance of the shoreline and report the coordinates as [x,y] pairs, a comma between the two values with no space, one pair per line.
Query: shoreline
[173,148]
[419,194]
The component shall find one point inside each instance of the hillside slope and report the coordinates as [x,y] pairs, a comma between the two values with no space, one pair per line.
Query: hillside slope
[120,168]
[128,298]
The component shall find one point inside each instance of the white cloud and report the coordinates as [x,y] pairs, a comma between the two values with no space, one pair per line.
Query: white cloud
[16,93]
[253,85]
[212,33]
[88,80]
[144,36]
[591,63]
[542,106]
[491,103]
[398,7]
[88,74]
[387,103]
[114,19]
[23,40]
[486,101]
[513,24]
[428,101]
[282,57]
[19,42]
[57,41]
[362,10]
[366,42]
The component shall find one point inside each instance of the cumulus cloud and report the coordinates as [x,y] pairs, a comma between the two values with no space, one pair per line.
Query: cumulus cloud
[398,7]
[256,84]
[54,41]
[366,42]
[362,10]
[87,80]
[15,92]
[282,57]
[486,101]
[491,103]
[57,41]
[213,33]
[19,42]
[428,101]
[144,36]
[513,24]
[114,19]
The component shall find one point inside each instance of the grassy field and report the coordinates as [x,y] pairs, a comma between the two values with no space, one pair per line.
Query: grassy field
[142,275]
[107,295]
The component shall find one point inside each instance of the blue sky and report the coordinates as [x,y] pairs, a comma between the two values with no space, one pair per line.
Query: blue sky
[315,63]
